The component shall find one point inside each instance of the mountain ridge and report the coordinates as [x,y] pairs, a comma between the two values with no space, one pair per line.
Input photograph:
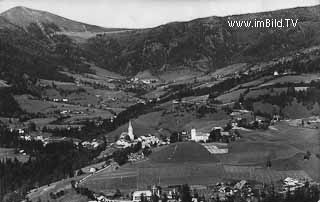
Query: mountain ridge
[206,43]
[23,17]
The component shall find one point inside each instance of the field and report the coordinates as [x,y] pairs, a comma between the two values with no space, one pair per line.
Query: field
[31,105]
[231,97]
[283,145]
[183,152]
[43,193]
[304,78]
[180,76]
[6,153]
[144,174]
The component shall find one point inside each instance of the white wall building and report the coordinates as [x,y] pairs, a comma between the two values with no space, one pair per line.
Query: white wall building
[199,136]
[137,195]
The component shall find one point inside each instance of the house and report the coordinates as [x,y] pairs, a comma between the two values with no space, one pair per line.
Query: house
[260,119]
[276,118]
[65,112]
[92,170]
[242,117]
[21,131]
[240,185]
[123,143]
[137,195]
[199,136]
[292,184]
[148,140]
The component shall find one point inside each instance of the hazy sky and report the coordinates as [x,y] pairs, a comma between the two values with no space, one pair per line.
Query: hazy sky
[149,13]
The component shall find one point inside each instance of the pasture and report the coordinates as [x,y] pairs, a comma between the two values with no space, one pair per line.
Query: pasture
[231,96]
[304,78]
[8,153]
[191,163]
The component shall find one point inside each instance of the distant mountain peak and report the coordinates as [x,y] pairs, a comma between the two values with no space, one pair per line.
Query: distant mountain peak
[23,17]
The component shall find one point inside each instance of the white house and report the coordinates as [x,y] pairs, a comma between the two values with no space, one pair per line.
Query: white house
[199,136]
[137,195]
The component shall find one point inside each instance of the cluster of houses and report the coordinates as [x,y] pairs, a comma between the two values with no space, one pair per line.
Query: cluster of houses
[247,119]
[291,184]
[128,139]
[225,190]
[94,144]
[45,140]
[68,111]
[60,100]
[144,81]
[198,193]
[217,134]
[135,157]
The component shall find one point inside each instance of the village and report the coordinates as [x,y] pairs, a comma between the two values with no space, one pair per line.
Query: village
[223,191]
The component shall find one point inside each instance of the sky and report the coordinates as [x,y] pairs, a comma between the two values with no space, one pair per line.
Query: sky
[149,13]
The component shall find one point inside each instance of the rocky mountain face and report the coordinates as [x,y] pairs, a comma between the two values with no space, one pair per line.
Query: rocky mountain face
[205,44]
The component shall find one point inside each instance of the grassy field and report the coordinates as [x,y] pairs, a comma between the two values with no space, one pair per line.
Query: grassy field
[6,153]
[43,193]
[304,78]
[231,97]
[264,91]
[31,105]
[191,163]
[144,174]
[183,152]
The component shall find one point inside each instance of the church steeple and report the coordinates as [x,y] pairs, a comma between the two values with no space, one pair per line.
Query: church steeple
[130,131]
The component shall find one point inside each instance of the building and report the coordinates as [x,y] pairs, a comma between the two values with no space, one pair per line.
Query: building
[148,140]
[242,117]
[199,136]
[128,134]
[137,195]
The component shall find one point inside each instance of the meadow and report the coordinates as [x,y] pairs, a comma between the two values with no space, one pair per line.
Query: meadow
[191,163]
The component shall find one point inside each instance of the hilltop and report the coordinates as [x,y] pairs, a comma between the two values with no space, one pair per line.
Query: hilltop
[204,45]
[23,17]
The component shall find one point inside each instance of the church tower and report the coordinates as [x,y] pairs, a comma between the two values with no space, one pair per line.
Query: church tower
[193,134]
[130,131]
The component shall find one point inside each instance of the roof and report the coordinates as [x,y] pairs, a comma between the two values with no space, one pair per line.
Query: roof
[145,192]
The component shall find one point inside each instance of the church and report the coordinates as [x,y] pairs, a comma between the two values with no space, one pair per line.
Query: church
[129,134]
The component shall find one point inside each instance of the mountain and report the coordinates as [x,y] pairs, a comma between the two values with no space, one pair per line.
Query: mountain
[202,45]
[23,17]
[205,44]
[5,24]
